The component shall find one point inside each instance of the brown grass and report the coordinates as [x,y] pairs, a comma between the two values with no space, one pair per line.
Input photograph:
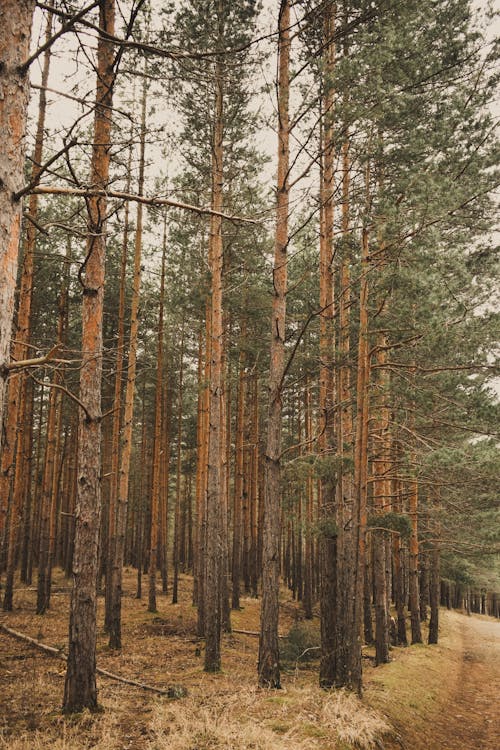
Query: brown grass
[221,712]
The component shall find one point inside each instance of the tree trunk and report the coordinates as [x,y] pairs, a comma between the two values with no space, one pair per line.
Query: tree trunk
[156,482]
[80,689]
[175,585]
[416,633]
[215,480]
[327,489]
[16,18]
[142,487]
[117,412]
[309,550]
[164,480]
[51,471]
[268,666]
[12,437]
[128,416]
[239,475]
[349,673]
[434,581]
[200,473]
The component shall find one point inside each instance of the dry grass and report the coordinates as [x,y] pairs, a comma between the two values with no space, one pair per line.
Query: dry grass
[420,680]
[249,719]
[221,712]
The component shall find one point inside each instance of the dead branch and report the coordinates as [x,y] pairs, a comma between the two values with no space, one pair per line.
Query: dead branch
[153,201]
[64,28]
[171,692]
[252,632]
[23,364]
[66,392]
[43,168]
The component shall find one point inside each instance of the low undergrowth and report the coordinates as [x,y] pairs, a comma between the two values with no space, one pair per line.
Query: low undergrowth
[222,712]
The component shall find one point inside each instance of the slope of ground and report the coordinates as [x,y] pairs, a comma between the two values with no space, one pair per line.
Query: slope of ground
[445,697]
[227,711]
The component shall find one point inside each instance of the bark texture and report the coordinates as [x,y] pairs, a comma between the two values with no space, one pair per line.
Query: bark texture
[15,30]
[80,689]
[214,563]
[268,666]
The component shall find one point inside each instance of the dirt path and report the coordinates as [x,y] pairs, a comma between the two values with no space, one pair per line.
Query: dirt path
[471,720]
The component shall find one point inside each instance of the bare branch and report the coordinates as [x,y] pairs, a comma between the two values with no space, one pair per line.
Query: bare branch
[24,364]
[64,28]
[66,392]
[153,201]
[43,168]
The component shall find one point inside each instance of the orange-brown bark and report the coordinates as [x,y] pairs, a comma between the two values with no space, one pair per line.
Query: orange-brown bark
[15,29]
[117,413]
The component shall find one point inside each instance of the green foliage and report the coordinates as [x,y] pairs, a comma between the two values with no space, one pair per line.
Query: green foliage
[302,644]
[399,522]
[454,568]
[326,528]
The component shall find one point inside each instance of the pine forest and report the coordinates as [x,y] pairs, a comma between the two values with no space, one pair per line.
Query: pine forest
[249,379]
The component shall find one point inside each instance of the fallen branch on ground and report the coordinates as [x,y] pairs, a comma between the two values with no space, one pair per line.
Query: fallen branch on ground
[171,692]
[252,632]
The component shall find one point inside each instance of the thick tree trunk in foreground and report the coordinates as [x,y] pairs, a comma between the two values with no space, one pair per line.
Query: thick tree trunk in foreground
[15,29]
[268,666]
[12,476]
[80,689]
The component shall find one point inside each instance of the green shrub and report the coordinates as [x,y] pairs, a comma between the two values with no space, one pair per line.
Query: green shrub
[301,645]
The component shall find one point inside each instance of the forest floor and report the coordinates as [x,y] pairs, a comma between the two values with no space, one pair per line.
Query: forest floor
[434,697]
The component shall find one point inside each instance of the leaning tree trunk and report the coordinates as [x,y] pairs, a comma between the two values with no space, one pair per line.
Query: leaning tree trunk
[80,689]
[268,666]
